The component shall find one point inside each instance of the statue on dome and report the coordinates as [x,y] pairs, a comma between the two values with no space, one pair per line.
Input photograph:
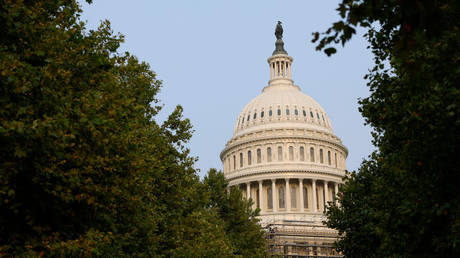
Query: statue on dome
[279,31]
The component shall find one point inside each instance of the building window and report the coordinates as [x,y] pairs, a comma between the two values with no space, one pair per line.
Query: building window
[311,114]
[312,154]
[323,118]
[255,115]
[262,114]
[279,112]
[241,159]
[296,112]
[281,197]
[301,154]
[234,162]
[259,156]
[305,198]
[270,113]
[243,120]
[321,159]
[291,153]
[335,154]
[329,157]
[304,113]
[280,153]
[249,116]
[269,154]
[249,158]
[287,111]
[317,115]
[269,198]
[293,197]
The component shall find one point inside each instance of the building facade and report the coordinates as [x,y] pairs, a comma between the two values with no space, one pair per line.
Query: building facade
[285,156]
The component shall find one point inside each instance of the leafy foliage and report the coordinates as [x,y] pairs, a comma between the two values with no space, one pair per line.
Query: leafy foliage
[404,201]
[240,222]
[85,169]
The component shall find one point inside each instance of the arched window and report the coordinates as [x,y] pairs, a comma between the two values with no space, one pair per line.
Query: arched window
[305,197]
[255,115]
[304,113]
[329,157]
[321,159]
[287,111]
[262,114]
[243,120]
[241,159]
[312,154]
[280,153]
[293,197]
[296,112]
[259,156]
[270,113]
[291,153]
[279,112]
[317,115]
[335,154]
[269,154]
[281,197]
[249,116]
[301,153]
[269,198]
[249,158]
[311,114]
[234,162]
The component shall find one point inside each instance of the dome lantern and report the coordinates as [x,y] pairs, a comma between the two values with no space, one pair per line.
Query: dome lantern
[280,62]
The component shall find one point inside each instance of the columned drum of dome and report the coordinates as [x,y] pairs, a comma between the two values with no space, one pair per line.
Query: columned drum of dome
[285,156]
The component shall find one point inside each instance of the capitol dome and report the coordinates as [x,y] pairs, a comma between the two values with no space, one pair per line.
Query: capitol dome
[285,156]
[282,106]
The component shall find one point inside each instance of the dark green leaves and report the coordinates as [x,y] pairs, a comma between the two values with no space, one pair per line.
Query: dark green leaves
[403,202]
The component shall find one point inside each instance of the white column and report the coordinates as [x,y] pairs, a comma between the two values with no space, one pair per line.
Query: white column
[260,196]
[301,194]
[285,69]
[288,195]
[313,187]
[326,199]
[276,69]
[271,70]
[290,73]
[273,195]
[248,190]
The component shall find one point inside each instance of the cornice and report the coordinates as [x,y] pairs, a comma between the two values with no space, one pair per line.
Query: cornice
[282,137]
[284,169]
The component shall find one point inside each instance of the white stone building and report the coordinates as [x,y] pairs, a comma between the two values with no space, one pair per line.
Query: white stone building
[285,156]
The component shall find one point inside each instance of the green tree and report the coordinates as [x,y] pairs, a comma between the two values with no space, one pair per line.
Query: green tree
[85,170]
[404,201]
[240,222]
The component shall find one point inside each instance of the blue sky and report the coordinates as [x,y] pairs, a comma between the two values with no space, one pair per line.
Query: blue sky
[212,59]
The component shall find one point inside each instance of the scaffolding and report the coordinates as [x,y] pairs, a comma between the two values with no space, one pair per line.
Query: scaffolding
[300,239]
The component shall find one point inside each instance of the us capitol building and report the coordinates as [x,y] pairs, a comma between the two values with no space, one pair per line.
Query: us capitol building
[285,156]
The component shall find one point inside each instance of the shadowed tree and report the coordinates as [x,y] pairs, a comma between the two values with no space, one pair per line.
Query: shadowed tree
[85,169]
[404,201]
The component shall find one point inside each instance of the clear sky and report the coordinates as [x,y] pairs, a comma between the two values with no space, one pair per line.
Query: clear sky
[212,58]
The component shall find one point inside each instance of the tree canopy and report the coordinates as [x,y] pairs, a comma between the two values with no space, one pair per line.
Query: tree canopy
[85,168]
[404,201]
